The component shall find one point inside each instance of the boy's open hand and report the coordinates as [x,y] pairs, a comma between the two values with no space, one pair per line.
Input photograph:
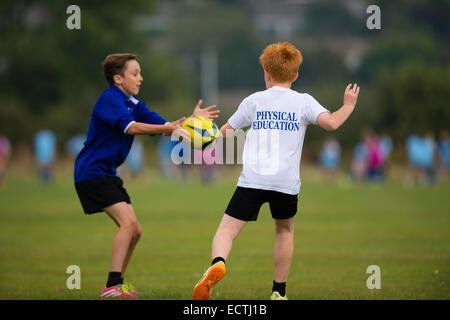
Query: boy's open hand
[207,112]
[351,95]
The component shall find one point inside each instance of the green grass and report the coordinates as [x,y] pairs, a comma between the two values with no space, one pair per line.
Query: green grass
[340,231]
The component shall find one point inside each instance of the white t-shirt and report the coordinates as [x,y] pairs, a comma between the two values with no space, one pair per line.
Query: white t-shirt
[273,146]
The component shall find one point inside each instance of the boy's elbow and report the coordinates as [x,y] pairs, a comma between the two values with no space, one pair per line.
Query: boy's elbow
[327,122]
[131,130]
[330,125]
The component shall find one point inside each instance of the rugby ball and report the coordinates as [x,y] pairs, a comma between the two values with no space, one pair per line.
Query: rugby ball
[203,132]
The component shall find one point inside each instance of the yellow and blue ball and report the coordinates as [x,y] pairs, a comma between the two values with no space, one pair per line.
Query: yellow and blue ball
[203,132]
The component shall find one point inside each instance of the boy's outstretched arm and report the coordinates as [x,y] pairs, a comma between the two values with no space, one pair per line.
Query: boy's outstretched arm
[139,128]
[334,120]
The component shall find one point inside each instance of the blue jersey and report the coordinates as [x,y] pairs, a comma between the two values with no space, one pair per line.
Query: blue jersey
[44,144]
[444,152]
[107,145]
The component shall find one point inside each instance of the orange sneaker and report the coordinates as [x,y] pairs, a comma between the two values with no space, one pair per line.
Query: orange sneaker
[202,289]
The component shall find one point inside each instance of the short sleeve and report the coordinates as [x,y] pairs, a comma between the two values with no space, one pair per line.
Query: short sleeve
[146,116]
[241,118]
[312,109]
[113,112]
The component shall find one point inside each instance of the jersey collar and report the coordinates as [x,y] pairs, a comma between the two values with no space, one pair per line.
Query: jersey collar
[132,99]
[279,88]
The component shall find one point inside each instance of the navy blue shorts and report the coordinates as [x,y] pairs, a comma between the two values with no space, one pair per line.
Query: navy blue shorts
[99,193]
[246,203]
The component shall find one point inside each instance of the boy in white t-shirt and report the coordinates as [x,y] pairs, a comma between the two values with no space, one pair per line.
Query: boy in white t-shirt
[277,118]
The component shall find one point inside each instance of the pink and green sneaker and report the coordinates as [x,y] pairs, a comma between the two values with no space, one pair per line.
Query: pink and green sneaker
[128,286]
[119,291]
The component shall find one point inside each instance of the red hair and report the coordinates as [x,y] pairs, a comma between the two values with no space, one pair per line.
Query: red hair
[282,61]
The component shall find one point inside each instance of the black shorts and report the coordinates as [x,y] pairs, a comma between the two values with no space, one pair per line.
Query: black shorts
[99,193]
[246,202]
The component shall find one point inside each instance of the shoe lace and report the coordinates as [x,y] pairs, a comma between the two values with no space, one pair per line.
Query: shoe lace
[203,276]
[128,286]
[276,295]
[124,288]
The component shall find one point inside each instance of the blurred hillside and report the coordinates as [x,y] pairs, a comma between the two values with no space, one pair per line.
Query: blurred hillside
[51,76]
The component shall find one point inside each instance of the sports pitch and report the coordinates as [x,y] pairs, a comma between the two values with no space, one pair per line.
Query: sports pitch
[340,231]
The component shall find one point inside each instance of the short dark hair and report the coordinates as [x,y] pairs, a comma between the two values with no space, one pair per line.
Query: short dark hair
[115,64]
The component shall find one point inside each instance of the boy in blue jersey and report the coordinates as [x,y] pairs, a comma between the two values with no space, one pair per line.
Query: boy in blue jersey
[117,116]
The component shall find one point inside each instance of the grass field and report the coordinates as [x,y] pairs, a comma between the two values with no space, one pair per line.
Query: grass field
[340,231]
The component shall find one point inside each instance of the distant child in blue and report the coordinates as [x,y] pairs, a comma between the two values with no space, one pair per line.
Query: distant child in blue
[414,147]
[75,145]
[421,157]
[167,167]
[386,149]
[429,150]
[386,146]
[135,158]
[116,118]
[44,147]
[359,163]
[444,155]
[330,156]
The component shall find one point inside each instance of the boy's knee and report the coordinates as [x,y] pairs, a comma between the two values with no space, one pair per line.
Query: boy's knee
[138,231]
[284,232]
[130,224]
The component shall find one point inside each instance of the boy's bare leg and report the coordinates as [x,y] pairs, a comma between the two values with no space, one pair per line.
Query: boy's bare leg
[134,241]
[124,216]
[227,231]
[284,248]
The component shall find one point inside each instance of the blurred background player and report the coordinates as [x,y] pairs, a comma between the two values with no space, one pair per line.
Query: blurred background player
[207,168]
[44,149]
[330,157]
[358,167]
[285,114]
[421,160]
[374,157]
[168,170]
[386,146]
[5,152]
[429,158]
[444,156]
[135,159]
[75,144]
